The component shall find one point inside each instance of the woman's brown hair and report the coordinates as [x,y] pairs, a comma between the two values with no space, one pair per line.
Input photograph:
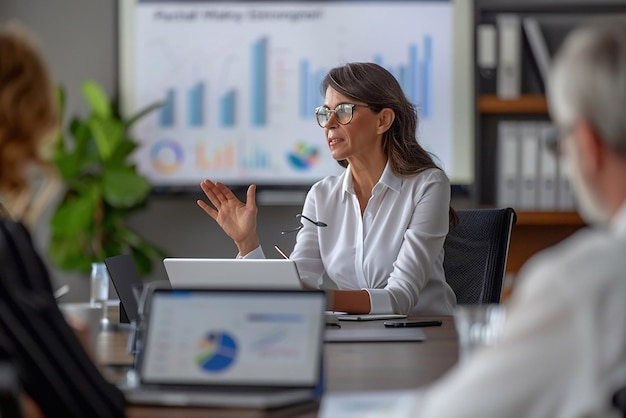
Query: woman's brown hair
[372,84]
[27,106]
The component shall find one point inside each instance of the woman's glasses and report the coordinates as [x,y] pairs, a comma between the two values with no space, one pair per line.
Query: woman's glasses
[316,223]
[343,113]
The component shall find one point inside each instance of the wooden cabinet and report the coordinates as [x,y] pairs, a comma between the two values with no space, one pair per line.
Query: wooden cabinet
[535,231]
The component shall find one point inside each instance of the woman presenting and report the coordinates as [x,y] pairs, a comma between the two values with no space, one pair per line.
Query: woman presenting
[388,213]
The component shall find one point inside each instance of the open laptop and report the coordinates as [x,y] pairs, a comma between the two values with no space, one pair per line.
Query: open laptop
[232,273]
[230,348]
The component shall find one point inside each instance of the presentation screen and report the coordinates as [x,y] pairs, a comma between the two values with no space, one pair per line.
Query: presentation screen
[240,81]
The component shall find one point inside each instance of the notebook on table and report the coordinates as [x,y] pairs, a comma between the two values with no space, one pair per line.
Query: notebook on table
[373,334]
[232,273]
[230,348]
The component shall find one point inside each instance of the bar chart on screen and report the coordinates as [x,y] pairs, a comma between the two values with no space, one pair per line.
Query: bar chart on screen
[248,74]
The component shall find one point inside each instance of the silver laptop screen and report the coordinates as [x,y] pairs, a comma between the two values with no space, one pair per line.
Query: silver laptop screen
[237,337]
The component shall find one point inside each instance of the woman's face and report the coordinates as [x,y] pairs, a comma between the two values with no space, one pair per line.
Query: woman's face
[358,138]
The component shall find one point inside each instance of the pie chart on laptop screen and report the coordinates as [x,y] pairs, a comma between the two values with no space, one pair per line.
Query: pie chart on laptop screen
[218,351]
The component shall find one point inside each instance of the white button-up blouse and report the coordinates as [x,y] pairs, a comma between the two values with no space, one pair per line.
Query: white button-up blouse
[394,251]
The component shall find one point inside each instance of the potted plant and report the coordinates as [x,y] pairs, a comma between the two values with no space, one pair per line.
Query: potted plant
[102,188]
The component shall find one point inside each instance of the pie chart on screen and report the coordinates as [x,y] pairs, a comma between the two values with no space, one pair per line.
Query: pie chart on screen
[218,351]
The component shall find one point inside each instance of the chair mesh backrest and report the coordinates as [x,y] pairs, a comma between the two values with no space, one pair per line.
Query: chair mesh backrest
[476,252]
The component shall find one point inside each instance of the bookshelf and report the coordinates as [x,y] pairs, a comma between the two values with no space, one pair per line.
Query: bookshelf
[539,27]
[537,227]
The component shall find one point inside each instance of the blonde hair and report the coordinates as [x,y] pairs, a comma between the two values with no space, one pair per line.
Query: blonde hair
[28,111]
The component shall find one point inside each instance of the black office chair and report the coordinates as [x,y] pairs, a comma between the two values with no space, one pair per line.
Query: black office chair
[476,251]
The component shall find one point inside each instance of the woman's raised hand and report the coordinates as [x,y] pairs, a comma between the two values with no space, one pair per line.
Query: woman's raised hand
[237,219]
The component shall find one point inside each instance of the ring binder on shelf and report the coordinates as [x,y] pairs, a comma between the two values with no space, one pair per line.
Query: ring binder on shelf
[487,57]
[509,52]
[508,186]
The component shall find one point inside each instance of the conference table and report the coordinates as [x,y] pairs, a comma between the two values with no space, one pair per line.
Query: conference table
[348,367]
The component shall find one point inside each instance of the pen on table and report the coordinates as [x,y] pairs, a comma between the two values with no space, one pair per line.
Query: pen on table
[281,252]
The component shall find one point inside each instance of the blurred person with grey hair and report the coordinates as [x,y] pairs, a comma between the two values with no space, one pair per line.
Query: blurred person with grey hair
[562,352]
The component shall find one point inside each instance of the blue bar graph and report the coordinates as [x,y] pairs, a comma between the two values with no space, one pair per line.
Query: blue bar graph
[413,87]
[256,158]
[166,113]
[258,83]
[427,78]
[310,95]
[305,92]
[195,102]
[227,109]
[415,78]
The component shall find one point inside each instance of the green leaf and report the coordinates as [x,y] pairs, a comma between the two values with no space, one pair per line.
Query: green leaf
[73,216]
[83,147]
[108,135]
[112,248]
[68,165]
[123,150]
[123,187]
[100,134]
[97,99]
[79,129]
[69,254]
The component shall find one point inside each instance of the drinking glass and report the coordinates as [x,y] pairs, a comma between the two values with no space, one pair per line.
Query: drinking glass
[478,326]
[100,289]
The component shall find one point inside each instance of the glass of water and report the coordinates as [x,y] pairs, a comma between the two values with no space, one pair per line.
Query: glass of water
[478,326]
[100,288]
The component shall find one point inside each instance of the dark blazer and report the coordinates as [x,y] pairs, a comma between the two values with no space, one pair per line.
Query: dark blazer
[52,366]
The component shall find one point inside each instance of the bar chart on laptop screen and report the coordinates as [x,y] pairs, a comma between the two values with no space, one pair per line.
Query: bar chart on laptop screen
[239,82]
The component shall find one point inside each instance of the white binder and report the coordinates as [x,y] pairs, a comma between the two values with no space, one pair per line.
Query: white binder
[487,57]
[548,169]
[567,199]
[529,183]
[508,85]
[507,181]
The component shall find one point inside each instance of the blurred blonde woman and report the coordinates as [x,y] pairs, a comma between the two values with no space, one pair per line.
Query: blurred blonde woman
[55,372]
[28,121]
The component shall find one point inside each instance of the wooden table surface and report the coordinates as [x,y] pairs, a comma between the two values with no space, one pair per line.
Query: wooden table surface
[348,367]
